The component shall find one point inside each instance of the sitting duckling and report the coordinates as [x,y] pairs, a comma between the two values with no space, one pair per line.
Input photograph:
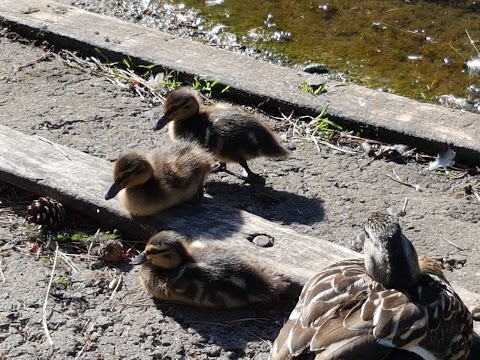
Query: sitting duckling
[150,183]
[391,305]
[231,134]
[203,275]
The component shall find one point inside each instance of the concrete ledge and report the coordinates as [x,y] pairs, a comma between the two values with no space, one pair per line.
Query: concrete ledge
[387,116]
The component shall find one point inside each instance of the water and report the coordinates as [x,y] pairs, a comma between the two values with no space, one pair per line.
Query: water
[413,48]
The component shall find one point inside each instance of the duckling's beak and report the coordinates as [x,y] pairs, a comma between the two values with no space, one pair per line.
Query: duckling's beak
[161,123]
[139,259]
[113,191]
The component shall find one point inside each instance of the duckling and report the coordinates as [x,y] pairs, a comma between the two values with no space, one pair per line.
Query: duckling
[203,275]
[389,305]
[148,183]
[231,134]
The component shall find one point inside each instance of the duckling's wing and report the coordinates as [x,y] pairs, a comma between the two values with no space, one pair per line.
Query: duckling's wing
[221,284]
[240,134]
[210,285]
[180,164]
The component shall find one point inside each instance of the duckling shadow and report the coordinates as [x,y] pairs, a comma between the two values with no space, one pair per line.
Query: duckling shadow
[231,330]
[271,204]
[206,219]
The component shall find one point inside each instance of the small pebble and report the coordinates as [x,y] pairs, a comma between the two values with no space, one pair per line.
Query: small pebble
[113,284]
[476,313]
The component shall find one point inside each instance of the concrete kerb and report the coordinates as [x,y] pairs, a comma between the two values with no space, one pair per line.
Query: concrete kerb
[388,117]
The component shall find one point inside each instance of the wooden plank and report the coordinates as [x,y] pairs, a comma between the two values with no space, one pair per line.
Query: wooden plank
[80,181]
[426,126]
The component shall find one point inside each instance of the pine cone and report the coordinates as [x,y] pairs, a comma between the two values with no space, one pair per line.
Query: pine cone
[46,212]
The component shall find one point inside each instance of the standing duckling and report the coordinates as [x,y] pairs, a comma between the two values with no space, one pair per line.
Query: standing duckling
[231,134]
[203,275]
[391,305]
[150,183]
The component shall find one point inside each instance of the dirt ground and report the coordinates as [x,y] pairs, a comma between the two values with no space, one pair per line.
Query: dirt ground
[324,194]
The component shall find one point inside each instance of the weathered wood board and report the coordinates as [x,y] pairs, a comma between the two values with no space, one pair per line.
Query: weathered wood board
[80,182]
[425,125]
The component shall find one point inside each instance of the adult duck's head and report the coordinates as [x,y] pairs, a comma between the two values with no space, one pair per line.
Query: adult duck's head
[390,257]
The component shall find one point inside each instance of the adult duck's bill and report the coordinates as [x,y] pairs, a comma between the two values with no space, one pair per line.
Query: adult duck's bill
[139,259]
[161,123]
[113,191]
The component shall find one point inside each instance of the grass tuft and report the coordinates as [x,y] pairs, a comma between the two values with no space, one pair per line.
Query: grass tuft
[313,89]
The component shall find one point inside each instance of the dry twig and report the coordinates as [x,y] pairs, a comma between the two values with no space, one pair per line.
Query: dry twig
[54,145]
[308,132]
[43,57]
[326,143]
[448,241]
[475,193]
[383,151]
[403,211]
[1,271]
[400,181]
[233,327]
[69,262]
[404,208]
[117,286]
[44,321]
[80,353]
[472,42]
[90,247]
[125,79]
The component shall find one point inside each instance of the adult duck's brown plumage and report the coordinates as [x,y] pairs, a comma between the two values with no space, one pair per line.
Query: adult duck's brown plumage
[193,272]
[230,133]
[148,183]
[391,305]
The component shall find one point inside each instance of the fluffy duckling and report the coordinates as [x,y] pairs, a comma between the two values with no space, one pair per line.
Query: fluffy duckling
[391,305]
[231,134]
[150,183]
[203,275]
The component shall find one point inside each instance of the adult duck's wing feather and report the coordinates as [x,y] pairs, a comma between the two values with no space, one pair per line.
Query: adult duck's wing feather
[334,290]
[430,319]
[343,314]
[449,322]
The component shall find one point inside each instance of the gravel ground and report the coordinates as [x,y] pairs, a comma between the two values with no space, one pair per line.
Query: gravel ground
[326,194]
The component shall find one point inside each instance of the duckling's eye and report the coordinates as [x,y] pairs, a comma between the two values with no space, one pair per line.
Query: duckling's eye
[125,174]
[157,251]
[128,173]
[179,103]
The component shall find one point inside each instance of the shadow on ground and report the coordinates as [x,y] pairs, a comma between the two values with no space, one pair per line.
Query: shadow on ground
[231,330]
[275,205]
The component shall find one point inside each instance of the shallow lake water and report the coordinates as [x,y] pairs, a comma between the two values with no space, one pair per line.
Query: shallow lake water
[412,48]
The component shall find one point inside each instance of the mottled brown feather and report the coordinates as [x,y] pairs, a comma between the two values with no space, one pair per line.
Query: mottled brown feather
[342,313]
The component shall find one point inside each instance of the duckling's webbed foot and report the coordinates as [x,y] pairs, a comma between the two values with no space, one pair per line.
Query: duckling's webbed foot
[249,176]
[218,166]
